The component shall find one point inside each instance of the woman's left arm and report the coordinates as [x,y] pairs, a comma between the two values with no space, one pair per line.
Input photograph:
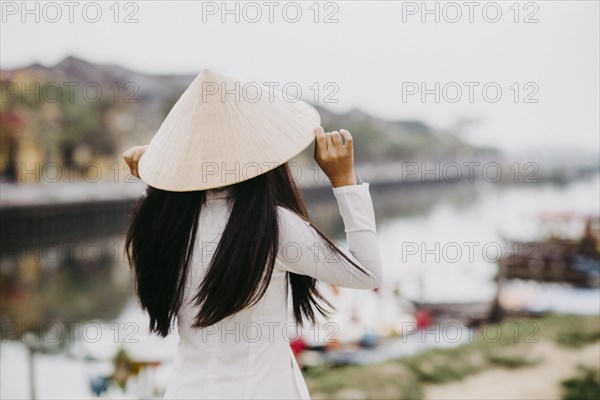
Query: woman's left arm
[304,252]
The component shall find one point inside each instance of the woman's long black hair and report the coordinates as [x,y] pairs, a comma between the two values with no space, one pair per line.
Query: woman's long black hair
[160,242]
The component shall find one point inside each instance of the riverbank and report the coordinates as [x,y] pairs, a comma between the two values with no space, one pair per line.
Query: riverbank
[530,359]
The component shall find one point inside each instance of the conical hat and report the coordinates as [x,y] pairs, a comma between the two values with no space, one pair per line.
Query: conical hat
[225,130]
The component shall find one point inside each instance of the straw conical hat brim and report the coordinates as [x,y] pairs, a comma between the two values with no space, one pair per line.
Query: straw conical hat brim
[224,130]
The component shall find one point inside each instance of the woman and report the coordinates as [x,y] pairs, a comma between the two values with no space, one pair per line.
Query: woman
[220,254]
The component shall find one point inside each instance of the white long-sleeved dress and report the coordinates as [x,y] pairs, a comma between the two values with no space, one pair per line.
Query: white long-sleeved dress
[247,355]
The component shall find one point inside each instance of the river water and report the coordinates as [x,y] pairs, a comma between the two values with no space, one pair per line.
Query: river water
[440,243]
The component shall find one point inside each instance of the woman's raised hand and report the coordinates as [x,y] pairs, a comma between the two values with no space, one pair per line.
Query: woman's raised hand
[336,158]
[132,157]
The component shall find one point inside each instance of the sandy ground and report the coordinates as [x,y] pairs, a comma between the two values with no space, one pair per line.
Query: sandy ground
[540,381]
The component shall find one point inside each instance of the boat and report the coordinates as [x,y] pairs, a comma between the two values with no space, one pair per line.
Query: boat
[559,256]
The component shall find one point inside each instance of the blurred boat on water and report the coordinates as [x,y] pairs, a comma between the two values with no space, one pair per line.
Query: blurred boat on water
[559,272]
[558,256]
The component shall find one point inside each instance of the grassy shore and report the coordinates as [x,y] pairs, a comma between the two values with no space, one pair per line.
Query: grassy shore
[515,344]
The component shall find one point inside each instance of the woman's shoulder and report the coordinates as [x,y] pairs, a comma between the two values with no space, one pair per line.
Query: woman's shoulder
[294,229]
[292,226]
[284,214]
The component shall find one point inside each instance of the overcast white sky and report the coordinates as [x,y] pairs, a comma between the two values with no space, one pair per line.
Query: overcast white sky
[374,51]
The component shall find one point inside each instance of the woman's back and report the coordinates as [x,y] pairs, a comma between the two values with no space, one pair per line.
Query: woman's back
[247,355]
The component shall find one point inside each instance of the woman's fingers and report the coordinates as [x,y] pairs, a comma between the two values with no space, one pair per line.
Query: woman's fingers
[347,138]
[127,157]
[335,157]
[136,159]
[336,140]
[136,156]
[331,145]
[132,157]
[330,149]
[321,140]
